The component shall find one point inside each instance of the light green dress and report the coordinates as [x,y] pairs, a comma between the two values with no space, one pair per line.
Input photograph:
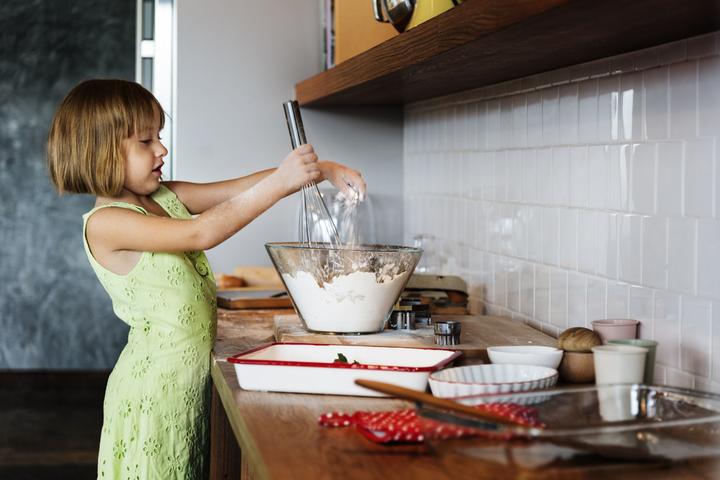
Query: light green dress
[156,409]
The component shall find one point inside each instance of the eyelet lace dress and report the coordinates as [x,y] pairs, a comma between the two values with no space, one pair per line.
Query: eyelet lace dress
[156,408]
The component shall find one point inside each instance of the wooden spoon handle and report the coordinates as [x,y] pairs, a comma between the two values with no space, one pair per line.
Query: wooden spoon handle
[444,403]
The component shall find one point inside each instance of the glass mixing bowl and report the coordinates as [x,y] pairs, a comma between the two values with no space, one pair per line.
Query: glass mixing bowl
[343,290]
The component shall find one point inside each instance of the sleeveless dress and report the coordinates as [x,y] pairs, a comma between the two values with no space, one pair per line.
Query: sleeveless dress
[156,408]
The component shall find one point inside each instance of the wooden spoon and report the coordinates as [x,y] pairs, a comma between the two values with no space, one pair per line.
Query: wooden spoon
[638,453]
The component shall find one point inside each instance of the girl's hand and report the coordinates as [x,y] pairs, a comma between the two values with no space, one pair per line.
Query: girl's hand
[299,168]
[347,180]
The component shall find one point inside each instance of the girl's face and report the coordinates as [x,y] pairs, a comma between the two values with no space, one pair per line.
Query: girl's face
[144,160]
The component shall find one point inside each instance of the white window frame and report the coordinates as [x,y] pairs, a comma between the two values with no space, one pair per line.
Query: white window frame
[162,49]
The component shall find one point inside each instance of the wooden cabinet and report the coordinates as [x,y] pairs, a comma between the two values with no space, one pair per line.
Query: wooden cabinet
[482,42]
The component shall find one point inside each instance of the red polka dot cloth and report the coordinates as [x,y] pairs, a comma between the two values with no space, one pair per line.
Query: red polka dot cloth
[407,427]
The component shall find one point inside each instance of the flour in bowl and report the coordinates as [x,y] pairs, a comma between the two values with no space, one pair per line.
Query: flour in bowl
[355,303]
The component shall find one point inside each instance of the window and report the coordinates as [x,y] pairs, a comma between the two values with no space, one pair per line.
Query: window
[155,62]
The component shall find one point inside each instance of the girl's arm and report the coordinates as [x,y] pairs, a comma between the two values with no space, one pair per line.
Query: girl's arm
[199,197]
[118,229]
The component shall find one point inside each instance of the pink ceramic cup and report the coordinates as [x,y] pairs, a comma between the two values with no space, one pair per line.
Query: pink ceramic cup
[616,328]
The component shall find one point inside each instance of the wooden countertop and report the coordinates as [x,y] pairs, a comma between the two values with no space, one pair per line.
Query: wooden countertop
[279,436]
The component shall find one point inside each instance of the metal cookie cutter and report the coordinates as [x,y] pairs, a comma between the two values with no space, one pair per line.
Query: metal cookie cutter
[405,321]
[447,332]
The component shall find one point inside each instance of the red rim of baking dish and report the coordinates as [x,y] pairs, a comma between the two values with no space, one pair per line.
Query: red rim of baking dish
[360,366]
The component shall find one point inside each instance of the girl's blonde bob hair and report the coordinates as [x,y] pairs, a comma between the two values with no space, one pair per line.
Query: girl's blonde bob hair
[84,150]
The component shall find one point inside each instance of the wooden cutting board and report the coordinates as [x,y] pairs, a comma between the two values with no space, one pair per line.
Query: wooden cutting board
[478,333]
[252,298]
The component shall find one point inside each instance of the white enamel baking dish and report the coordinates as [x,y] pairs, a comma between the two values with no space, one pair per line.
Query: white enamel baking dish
[310,368]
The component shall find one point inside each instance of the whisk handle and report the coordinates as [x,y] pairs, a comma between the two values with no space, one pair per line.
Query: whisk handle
[294,123]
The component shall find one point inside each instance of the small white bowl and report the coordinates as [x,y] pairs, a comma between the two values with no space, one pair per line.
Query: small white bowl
[526,355]
[496,378]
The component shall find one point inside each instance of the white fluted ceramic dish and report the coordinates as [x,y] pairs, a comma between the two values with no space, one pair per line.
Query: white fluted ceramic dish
[526,355]
[487,379]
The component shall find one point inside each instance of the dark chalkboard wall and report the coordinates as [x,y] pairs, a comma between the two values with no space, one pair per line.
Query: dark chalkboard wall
[53,312]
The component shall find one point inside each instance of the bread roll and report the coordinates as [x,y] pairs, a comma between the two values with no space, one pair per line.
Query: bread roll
[578,339]
[229,281]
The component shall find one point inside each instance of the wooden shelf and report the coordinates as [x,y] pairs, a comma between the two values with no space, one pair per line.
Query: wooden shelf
[482,42]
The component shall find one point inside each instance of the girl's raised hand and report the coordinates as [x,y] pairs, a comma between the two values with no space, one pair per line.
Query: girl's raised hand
[299,168]
[345,179]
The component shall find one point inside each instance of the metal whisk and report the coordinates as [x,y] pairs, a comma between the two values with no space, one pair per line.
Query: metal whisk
[315,224]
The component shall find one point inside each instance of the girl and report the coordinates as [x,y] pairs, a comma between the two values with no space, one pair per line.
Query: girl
[146,248]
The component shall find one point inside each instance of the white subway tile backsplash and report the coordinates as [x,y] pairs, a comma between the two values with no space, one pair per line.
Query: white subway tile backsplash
[568,114]
[544,171]
[529,176]
[513,285]
[519,121]
[550,235]
[708,274]
[487,174]
[617,300]
[657,106]
[568,238]
[630,251]
[513,159]
[480,125]
[494,227]
[607,246]
[654,248]
[493,125]
[608,109]
[678,378]
[588,111]
[666,331]
[500,172]
[558,298]
[695,336]
[542,293]
[561,176]
[583,193]
[520,234]
[587,241]
[641,307]
[506,122]
[669,179]
[534,233]
[716,176]
[681,255]
[715,342]
[598,160]
[527,289]
[698,178]
[709,96]
[506,227]
[551,116]
[579,177]
[631,107]
[596,299]
[616,197]
[642,178]
[534,119]
[577,300]
[499,280]
[683,100]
